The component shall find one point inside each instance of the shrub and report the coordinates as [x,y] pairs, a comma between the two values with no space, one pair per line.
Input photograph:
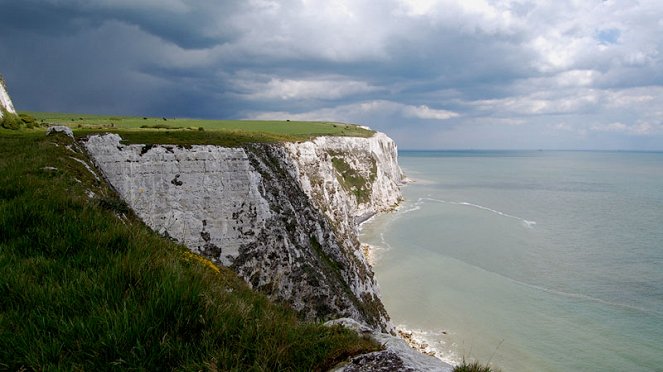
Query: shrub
[28,120]
[157,126]
[10,120]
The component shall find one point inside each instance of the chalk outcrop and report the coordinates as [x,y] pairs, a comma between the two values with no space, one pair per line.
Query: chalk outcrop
[60,129]
[349,178]
[206,197]
[6,104]
[283,216]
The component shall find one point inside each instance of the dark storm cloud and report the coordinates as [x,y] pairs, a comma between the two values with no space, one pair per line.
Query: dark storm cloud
[191,27]
[433,73]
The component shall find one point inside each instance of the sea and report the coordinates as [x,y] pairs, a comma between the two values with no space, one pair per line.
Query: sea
[527,260]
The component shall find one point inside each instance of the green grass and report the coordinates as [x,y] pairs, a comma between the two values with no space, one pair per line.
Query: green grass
[185,137]
[83,289]
[259,129]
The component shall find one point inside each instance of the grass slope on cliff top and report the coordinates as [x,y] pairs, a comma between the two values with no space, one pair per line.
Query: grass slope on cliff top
[152,130]
[83,289]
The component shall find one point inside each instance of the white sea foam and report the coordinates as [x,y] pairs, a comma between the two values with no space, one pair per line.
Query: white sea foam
[430,342]
[373,253]
[360,227]
[526,223]
[416,207]
[408,208]
[384,242]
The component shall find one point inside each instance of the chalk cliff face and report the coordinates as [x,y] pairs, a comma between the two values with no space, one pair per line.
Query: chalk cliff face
[5,102]
[283,216]
[349,178]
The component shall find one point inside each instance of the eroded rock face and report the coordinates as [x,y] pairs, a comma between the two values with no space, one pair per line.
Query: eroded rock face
[349,178]
[5,102]
[283,216]
[206,197]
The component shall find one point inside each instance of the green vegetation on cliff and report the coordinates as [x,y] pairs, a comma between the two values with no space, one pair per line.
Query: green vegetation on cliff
[352,181]
[84,285]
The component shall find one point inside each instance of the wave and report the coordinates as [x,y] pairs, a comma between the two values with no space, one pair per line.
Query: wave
[360,227]
[384,242]
[529,224]
[580,296]
[526,223]
[430,343]
[409,210]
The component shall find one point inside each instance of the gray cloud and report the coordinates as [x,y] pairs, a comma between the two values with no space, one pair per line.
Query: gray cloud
[433,74]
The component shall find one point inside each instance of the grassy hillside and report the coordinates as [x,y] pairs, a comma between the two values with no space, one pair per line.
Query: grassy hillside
[85,285]
[197,131]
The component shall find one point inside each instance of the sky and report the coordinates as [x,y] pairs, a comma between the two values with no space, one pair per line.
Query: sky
[432,74]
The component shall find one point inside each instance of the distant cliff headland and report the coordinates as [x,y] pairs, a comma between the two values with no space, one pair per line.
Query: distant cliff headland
[8,117]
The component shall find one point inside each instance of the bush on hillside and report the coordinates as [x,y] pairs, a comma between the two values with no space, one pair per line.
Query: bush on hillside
[10,120]
[28,120]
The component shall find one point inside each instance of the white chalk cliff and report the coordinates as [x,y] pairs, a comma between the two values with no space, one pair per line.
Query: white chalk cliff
[283,216]
[5,102]
[319,163]
[203,196]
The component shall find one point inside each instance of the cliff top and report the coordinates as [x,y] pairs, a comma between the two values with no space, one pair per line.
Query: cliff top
[199,131]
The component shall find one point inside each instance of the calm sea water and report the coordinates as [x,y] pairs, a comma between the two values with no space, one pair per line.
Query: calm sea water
[532,261]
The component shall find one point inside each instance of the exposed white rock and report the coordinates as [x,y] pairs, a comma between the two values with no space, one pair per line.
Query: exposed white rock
[261,210]
[206,197]
[60,129]
[258,210]
[375,159]
[398,355]
[5,101]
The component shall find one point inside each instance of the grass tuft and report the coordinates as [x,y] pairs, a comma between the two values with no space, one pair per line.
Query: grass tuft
[473,367]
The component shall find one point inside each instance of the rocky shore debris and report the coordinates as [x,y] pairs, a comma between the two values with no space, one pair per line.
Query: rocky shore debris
[398,355]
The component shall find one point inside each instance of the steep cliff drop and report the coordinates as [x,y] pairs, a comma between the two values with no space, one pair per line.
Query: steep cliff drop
[283,216]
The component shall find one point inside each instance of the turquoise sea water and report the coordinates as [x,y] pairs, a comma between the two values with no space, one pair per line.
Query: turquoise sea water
[532,261]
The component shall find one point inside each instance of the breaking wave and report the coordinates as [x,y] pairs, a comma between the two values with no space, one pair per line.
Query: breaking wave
[526,223]
[433,343]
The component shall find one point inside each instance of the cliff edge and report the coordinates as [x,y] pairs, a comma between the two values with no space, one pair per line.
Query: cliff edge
[283,216]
